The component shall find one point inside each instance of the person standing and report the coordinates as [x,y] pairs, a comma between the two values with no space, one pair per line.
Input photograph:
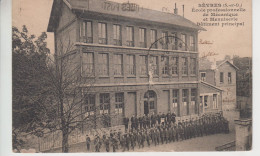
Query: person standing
[88,142]
[126,122]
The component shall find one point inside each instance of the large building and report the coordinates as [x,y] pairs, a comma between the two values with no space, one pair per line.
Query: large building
[142,61]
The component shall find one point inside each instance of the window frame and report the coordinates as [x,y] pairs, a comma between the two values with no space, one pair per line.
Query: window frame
[101,39]
[165,65]
[184,66]
[131,67]
[102,65]
[229,78]
[153,33]
[117,36]
[143,64]
[201,77]
[118,65]
[84,35]
[104,103]
[221,77]
[129,43]
[88,64]
[142,38]
[119,104]
[155,71]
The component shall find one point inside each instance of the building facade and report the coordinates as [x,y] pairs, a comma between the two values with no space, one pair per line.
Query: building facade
[221,74]
[141,61]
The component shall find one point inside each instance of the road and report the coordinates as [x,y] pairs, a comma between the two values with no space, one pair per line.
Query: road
[206,143]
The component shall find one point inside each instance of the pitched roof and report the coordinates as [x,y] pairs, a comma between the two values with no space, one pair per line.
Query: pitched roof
[210,85]
[116,9]
[219,63]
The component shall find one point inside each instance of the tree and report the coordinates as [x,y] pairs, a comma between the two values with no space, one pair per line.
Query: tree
[29,62]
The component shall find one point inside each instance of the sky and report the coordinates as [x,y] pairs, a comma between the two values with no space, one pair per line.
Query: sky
[226,40]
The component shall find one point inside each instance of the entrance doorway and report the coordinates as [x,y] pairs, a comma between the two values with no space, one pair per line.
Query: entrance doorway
[150,102]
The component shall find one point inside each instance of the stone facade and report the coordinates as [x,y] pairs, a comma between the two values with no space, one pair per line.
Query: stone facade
[132,74]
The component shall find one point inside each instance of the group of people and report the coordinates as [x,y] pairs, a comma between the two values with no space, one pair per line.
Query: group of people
[163,131]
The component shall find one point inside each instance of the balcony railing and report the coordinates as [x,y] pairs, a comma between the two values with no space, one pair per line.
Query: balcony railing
[102,41]
[117,42]
[87,39]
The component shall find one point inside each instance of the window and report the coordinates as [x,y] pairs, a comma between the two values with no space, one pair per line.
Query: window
[143,65]
[206,101]
[229,78]
[165,40]
[86,33]
[117,35]
[103,64]
[104,103]
[193,96]
[173,42]
[89,106]
[174,65]
[131,64]
[130,36]
[88,64]
[165,65]
[185,97]
[175,98]
[183,42]
[192,43]
[118,65]
[203,76]
[119,101]
[154,38]
[102,33]
[193,66]
[215,104]
[221,79]
[142,37]
[184,66]
[154,65]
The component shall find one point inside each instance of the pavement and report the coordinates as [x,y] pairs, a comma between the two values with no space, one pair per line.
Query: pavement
[206,143]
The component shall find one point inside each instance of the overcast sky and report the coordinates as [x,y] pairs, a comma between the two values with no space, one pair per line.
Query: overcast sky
[228,40]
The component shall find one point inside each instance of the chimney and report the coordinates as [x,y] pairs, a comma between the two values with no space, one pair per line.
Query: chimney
[183,9]
[175,10]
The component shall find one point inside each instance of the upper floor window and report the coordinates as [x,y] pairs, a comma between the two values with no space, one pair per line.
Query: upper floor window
[221,77]
[88,64]
[229,77]
[103,64]
[154,65]
[183,43]
[165,40]
[184,66]
[86,32]
[118,65]
[192,43]
[131,64]
[173,41]
[142,37]
[102,33]
[130,36]
[174,65]
[154,38]
[165,65]
[193,66]
[143,65]
[117,35]
[119,101]
[203,76]
[185,96]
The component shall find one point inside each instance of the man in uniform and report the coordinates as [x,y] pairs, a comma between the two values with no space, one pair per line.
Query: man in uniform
[114,143]
[132,122]
[140,121]
[158,117]
[88,142]
[147,135]
[153,119]
[97,143]
[126,121]
[106,141]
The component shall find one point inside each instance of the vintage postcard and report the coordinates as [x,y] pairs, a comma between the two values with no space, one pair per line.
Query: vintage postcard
[131,76]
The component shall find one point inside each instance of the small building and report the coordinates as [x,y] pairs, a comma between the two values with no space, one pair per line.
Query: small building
[221,74]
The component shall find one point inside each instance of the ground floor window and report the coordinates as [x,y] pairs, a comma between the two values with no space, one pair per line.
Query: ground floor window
[119,102]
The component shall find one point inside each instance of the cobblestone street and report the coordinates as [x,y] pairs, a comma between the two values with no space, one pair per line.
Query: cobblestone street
[206,143]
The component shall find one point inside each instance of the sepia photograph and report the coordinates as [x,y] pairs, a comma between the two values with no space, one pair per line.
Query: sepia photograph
[105,76]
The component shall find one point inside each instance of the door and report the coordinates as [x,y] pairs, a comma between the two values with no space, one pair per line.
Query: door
[146,108]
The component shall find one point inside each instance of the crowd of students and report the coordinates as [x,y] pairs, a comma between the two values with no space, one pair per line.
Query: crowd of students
[162,130]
